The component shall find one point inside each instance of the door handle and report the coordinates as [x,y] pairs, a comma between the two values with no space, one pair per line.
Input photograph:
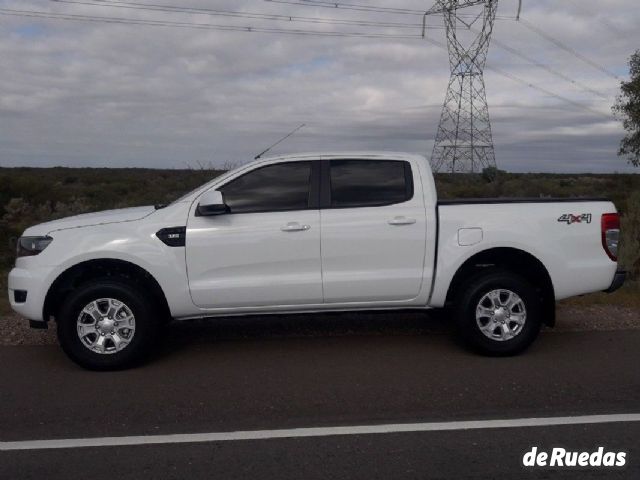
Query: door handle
[401,221]
[295,227]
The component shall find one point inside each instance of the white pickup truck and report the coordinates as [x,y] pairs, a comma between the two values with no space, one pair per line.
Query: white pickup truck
[312,233]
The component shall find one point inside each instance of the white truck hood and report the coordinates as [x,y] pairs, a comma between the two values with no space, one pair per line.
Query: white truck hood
[89,219]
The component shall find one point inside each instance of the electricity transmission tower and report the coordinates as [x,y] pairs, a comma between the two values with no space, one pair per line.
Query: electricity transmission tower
[464,142]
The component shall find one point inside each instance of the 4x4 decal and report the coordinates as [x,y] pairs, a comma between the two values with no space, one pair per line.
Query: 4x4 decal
[569,218]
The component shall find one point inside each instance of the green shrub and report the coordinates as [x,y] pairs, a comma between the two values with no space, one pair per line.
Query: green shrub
[630,241]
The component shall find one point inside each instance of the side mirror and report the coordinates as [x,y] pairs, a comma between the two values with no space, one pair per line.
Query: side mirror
[211,203]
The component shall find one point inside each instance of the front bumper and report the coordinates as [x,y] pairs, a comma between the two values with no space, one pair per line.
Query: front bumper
[618,281]
[33,282]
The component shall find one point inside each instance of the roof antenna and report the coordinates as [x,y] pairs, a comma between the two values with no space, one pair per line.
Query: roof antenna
[279,141]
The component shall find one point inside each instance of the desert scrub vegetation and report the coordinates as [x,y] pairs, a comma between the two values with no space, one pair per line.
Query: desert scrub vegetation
[630,243]
[33,195]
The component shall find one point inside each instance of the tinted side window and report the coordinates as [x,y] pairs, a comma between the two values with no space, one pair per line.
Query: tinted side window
[283,186]
[362,183]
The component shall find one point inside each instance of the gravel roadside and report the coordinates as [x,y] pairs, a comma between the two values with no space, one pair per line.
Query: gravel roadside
[15,331]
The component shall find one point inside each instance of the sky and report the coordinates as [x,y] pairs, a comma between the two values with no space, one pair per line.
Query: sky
[94,94]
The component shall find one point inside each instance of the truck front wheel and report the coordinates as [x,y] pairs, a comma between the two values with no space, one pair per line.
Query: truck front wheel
[498,313]
[107,324]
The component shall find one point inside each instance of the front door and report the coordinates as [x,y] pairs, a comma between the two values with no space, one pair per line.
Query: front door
[266,250]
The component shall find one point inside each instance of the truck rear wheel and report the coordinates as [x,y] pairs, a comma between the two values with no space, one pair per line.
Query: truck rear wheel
[498,313]
[107,324]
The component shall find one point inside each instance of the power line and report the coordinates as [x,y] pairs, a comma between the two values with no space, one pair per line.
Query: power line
[350,6]
[567,48]
[290,18]
[529,84]
[504,46]
[237,14]
[249,29]
[548,92]
[203,26]
[601,20]
[549,69]
[365,8]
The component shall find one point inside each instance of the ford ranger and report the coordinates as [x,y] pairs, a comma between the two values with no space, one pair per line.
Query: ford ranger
[312,233]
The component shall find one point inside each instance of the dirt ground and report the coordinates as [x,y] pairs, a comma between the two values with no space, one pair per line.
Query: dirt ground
[15,331]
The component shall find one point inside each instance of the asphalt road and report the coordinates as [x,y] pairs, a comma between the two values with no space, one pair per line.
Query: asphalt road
[206,379]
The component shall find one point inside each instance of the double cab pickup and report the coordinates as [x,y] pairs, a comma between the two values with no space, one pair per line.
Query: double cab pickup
[313,233]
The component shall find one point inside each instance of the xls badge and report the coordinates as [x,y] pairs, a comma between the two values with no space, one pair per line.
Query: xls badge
[569,218]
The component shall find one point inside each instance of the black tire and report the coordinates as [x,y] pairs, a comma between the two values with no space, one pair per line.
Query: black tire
[470,296]
[125,291]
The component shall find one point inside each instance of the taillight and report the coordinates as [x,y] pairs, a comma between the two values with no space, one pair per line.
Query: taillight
[611,234]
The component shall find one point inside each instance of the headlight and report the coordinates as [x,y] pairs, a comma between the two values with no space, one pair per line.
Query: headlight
[29,246]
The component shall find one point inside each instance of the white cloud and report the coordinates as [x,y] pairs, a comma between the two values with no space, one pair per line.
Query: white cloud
[94,94]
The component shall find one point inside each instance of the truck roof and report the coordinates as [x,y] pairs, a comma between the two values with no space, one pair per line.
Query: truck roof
[370,155]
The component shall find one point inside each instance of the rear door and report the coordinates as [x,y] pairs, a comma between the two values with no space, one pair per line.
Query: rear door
[373,231]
